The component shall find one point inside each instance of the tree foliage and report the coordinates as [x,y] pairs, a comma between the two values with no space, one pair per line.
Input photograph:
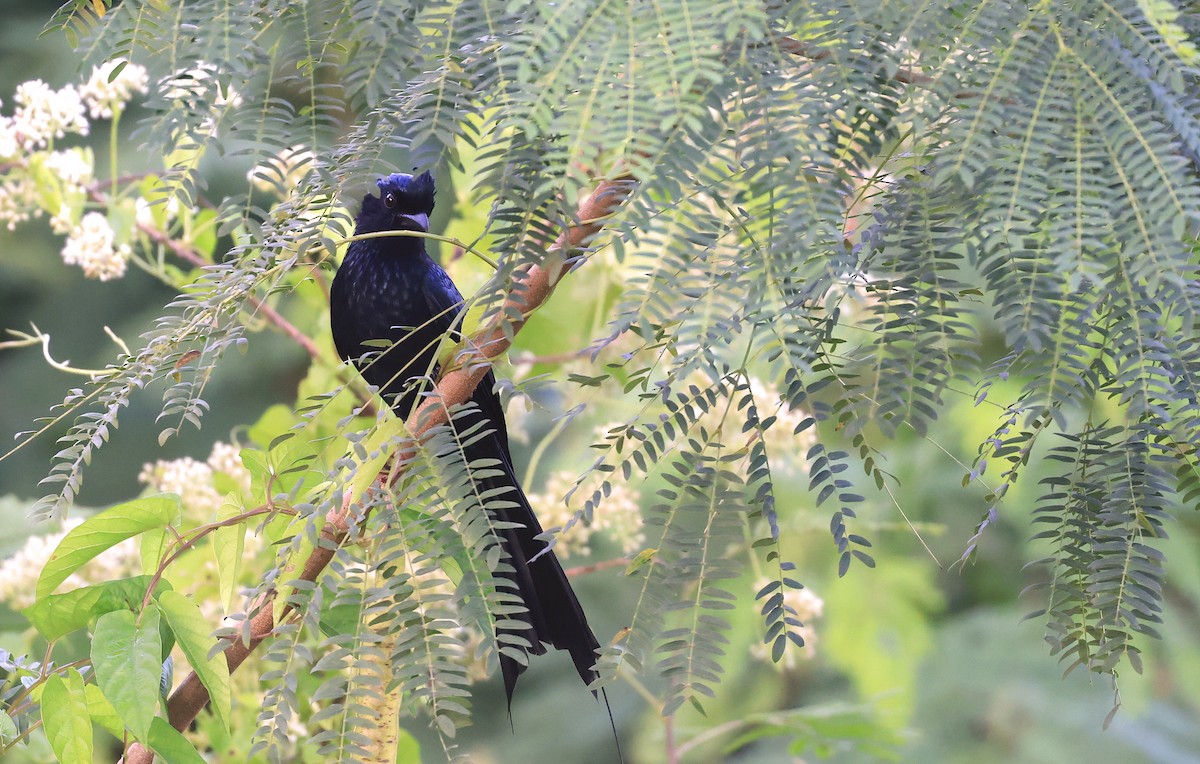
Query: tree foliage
[833,197]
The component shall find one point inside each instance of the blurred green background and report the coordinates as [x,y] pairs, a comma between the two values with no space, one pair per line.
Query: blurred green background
[914,660]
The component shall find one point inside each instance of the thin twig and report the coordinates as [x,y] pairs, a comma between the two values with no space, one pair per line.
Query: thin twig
[191,256]
[195,537]
[903,74]
[583,570]
[272,316]
[797,48]
[573,355]
[669,730]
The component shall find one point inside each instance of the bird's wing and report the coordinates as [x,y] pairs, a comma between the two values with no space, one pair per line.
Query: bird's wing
[445,304]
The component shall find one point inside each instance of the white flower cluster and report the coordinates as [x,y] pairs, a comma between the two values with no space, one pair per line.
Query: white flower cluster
[807,607]
[64,221]
[19,573]
[618,515]
[106,94]
[227,458]
[90,246]
[10,141]
[192,480]
[73,167]
[146,213]
[284,171]
[43,114]
[18,200]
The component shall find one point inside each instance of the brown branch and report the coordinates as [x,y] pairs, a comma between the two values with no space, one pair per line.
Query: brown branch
[191,256]
[531,360]
[455,387]
[272,316]
[903,74]
[797,48]
[583,570]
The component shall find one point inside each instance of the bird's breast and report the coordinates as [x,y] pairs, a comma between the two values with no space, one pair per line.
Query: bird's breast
[381,294]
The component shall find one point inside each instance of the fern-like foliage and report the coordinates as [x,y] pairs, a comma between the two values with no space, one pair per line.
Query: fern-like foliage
[1028,167]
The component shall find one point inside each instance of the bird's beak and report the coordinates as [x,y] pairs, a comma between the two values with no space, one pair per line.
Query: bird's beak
[419,221]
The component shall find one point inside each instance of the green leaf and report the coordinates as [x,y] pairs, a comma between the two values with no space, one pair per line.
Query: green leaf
[228,546]
[1165,16]
[172,746]
[340,619]
[377,455]
[408,750]
[192,633]
[152,548]
[59,614]
[103,531]
[275,421]
[294,563]
[204,233]
[127,656]
[640,561]
[102,712]
[8,729]
[65,718]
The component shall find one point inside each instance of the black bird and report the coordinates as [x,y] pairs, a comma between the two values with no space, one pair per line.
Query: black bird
[390,289]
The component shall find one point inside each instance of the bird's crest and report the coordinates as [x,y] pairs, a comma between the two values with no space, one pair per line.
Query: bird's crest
[415,191]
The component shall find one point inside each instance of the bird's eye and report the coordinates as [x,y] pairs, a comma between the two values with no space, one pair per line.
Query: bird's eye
[389,200]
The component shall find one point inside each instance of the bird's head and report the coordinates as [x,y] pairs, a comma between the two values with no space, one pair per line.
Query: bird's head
[404,203]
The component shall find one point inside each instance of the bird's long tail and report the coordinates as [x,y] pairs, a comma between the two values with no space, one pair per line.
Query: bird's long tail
[554,614]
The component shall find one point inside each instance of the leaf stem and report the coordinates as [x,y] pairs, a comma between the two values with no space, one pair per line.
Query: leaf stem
[421,235]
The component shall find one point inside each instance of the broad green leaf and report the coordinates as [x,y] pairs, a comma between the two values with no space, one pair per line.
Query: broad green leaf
[295,465]
[151,189]
[8,728]
[408,750]
[123,219]
[340,619]
[255,462]
[204,232]
[227,546]
[275,421]
[172,746]
[127,656]
[65,718]
[152,547]
[102,712]
[192,633]
[59,614]
[103,531]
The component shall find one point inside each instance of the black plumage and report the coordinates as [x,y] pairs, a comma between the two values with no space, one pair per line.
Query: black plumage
[390,289]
